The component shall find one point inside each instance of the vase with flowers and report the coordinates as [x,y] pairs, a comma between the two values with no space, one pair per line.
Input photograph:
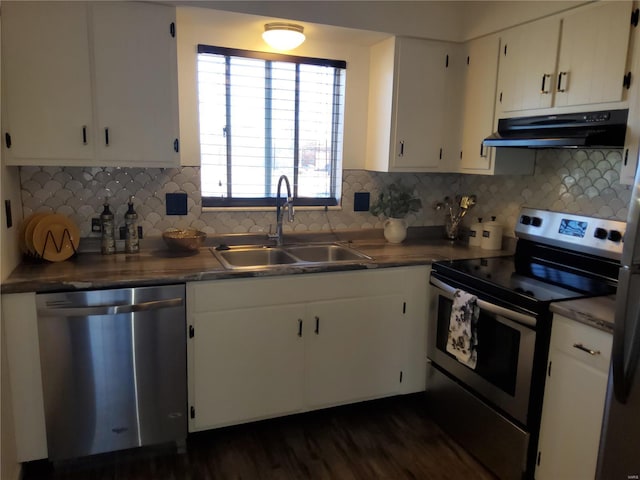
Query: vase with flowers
[395,203]
[455,210]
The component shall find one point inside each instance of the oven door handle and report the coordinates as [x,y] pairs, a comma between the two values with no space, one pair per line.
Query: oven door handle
[522,318]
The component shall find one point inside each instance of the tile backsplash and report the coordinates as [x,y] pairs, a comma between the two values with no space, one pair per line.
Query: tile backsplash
[577,181]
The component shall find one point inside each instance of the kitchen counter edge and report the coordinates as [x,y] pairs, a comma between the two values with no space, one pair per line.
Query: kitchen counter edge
[597,312]
[161,267]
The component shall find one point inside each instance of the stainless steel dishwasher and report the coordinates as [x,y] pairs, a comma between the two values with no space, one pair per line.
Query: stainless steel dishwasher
[113,369]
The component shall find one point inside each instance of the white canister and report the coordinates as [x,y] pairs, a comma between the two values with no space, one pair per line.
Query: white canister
[475,233]
[491,235]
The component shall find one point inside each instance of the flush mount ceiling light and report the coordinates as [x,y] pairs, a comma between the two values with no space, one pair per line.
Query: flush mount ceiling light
[283,36]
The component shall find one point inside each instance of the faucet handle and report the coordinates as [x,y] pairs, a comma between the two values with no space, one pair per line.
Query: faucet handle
[291,214]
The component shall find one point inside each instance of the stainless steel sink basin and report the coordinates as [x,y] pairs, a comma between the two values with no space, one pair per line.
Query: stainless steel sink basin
[253,257]
[261,257]
[326,253]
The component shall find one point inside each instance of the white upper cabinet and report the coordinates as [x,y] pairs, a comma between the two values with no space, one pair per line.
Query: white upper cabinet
[528,65]
[569,60]
[632,137]
[593,54]
[89,84]
[479,95]
[478,108]
[47,83]
[412,108]
[136,83]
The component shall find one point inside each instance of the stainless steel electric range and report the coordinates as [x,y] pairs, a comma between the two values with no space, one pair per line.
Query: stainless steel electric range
[494,409]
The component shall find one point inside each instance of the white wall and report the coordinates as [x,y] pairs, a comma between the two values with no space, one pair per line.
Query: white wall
[233,30]
[9,248]
[441,20]
[428,19]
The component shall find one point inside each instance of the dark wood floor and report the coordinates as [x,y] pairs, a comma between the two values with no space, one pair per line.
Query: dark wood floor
[385,439]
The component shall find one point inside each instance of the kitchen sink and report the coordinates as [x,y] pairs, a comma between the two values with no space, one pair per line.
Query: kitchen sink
[253,257]
[326,253]
[261,257]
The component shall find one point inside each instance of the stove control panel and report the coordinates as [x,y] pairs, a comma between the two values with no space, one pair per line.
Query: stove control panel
[598,236]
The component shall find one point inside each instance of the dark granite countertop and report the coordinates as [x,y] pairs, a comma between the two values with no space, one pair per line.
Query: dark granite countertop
[156,265]
[598,312]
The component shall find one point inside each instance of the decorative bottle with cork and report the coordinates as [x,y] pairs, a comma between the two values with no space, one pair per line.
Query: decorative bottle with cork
[108,243]
[131,240]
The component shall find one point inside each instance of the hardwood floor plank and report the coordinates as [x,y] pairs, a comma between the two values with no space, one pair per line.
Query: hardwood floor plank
[384,439]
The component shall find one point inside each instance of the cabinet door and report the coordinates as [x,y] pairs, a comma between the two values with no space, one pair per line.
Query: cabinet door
[574,399]
[47,86]
[480,79]
[528,65]
[593,54]
[420,102]
[247,365]
[353,350]
[135,83]
[22,374]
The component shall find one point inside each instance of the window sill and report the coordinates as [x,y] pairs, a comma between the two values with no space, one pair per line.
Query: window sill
[319,208]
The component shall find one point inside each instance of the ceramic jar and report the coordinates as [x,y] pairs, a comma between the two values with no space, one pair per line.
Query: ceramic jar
[475,233]
[395,230]
[491,235]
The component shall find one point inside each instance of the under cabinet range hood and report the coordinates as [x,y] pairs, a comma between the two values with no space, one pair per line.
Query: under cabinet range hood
[603,129]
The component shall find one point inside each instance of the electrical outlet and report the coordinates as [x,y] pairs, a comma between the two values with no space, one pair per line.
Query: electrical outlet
[176,203]
[361,201]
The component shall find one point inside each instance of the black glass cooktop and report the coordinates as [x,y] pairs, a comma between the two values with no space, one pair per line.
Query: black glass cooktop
[530,285]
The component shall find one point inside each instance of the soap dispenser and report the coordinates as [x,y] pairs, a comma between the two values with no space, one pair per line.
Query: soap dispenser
[107,226]
[131,240]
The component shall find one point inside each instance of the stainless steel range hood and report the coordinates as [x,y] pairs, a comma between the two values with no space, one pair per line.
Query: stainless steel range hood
[603,129]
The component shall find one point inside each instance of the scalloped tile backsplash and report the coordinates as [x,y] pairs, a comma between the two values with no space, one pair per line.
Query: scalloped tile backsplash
[577,181]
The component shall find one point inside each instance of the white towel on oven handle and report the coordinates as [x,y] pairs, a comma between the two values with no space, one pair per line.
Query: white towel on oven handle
[462,341]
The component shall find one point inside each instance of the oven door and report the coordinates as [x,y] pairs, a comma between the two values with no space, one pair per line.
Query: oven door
[505,351]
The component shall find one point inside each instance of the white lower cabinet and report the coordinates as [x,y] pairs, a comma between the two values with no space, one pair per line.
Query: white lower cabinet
[574,398]
[353,349]
[249,363]
[20,331]
[264,347]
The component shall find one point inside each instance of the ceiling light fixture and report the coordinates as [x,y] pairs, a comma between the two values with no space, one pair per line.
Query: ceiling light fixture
[283,36]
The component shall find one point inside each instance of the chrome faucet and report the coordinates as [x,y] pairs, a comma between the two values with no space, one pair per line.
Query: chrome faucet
[288,205]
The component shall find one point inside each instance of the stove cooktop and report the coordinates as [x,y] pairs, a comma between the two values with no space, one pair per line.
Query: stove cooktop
[532,290]
[559,256]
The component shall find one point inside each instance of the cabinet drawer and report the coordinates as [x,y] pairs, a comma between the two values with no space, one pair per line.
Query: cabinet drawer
[582,342]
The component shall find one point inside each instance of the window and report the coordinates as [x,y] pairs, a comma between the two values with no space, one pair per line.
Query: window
[264,115]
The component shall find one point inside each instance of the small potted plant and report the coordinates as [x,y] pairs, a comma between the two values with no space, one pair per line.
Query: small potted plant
[395,203]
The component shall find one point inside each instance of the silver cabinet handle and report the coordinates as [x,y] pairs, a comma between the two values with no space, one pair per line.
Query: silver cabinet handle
[401,154]
[560,87]
[545,88]
[579,346]
[110,309]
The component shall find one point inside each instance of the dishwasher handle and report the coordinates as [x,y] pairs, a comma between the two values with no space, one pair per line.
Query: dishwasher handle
[110,309]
